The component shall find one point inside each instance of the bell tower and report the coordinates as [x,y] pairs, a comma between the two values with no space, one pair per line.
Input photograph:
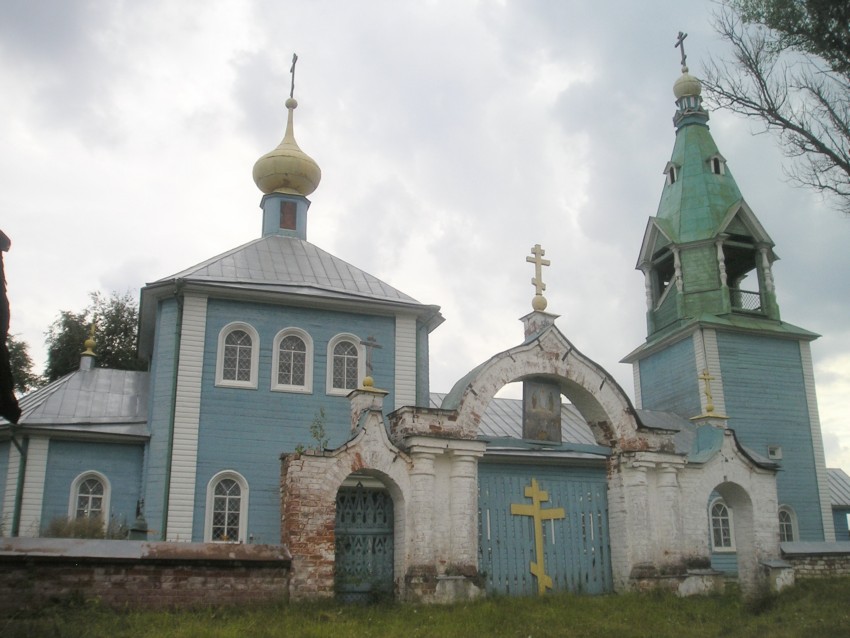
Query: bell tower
[715,341]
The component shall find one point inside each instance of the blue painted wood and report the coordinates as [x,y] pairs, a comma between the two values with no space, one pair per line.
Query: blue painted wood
[246,430]
[120,463]
[766,403]
[576,548]
[839,519]
[159,415]
[668,380]
[726,562]
[363,565]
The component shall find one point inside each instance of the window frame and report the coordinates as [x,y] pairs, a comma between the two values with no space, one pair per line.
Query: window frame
[361,363]
[106,499]
[243,506]
[792,522]
[255,356]
[730,521]
[307,388]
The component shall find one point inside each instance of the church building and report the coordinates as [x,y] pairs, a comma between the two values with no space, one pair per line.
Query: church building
[287,401]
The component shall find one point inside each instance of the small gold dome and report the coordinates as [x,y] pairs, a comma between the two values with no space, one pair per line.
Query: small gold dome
[287,169]
[687,84]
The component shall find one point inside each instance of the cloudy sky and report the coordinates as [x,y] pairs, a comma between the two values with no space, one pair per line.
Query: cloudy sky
[453,135]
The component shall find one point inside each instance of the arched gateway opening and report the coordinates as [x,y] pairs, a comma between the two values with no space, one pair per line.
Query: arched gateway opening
[543,504]
[364,540]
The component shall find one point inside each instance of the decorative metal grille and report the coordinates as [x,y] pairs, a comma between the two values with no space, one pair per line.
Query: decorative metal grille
[345,366]
[364,544]
[237,356]
[720,527]
[292,362]
[90,499]
[745,300]
[227,505]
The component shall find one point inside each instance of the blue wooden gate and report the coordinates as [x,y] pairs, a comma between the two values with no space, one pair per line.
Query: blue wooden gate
[559,512]
[364,544]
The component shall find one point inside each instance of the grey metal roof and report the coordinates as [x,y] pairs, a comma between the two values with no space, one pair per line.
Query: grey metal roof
[280,264]
[503,419]
[98,397]
[839,487]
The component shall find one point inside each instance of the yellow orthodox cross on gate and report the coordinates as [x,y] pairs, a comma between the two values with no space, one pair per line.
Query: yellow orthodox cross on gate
[538,496]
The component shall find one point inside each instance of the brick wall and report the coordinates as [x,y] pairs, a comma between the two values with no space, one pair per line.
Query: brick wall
[36,572]
[818,560]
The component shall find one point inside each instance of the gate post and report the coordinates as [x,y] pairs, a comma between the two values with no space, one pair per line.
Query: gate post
[464,507]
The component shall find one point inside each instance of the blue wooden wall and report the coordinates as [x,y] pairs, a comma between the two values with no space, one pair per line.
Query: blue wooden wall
[246,430]
[668,380]
[839,519]
[576,547]
[160,408]
[5,508]
[766,403]
[120,463]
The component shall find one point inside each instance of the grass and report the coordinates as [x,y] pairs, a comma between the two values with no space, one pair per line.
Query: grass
[814,608]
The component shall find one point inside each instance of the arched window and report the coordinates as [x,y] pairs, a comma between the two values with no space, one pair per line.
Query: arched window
[787,524]
[90,495]
[292,361]
[238,356]
[722,537]
[227,508]
[345,364]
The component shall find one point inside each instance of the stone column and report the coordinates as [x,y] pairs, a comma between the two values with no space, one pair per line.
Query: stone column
[421,508]
[463,508]
[670,531]
[637,503]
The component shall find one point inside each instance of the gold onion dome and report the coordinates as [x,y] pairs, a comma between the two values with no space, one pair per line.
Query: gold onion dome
[686,85]
[287,169]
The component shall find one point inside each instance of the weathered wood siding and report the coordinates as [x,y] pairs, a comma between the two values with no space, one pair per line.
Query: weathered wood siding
[184,449]
[121,464]
[766,403]
[246,430]
[668,380]
[36,471]
[159,415]
[405,358]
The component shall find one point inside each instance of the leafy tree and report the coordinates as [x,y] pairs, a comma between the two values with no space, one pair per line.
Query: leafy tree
[21,364]
[116,322]
[790,73]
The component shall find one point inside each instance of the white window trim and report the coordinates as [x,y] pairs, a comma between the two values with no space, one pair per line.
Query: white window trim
[790,510]
[255,356]
[329,368]
[307,388]
[107,494]
[243,506]
[730,514]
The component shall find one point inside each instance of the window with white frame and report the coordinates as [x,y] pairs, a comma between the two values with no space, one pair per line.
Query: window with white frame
[227,508]
[238,356]
[345,364]
[722,537]
[292,361]
[90,495]
[787,524]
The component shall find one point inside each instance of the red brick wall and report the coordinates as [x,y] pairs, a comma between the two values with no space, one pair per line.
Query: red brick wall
[36,572]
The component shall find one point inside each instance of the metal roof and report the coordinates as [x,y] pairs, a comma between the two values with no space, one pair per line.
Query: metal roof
[839,487]
[100,399]
[279,263]
[503,419]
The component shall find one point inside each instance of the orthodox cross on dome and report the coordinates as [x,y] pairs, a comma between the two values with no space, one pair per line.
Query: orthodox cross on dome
[536,258]
[292,71]
[709,401]
[371,344]
[538,496]
[680,43]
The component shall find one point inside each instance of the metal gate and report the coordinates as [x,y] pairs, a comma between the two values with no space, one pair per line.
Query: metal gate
[543,529]
[364,544]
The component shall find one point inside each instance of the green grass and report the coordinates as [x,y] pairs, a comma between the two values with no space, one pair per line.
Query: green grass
[814,609]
